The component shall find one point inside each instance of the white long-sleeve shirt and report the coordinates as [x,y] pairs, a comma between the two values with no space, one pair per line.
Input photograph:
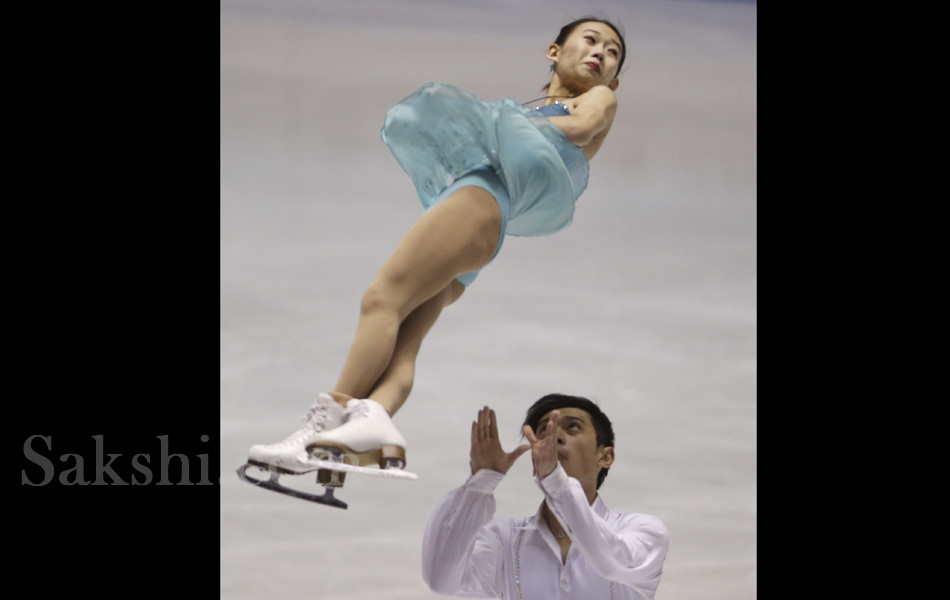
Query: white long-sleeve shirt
[612,555]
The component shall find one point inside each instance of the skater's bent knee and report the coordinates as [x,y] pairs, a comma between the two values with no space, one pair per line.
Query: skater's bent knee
[377,299]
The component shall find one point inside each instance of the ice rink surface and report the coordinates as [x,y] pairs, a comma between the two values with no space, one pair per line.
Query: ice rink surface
[646,304]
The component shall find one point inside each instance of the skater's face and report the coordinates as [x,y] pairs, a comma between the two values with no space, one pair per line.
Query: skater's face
[578,451]
[590,56]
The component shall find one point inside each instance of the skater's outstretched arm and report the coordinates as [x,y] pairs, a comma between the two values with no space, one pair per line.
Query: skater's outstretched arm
[462,547]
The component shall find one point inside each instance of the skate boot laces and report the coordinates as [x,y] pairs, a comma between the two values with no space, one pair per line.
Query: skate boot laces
[313,422]
[316,418]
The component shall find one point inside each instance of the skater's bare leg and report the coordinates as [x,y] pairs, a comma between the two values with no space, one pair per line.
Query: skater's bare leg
[393,388]
[456,236]
[369,436]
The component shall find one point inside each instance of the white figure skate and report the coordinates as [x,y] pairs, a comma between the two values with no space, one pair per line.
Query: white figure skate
[367,437]
[290,456]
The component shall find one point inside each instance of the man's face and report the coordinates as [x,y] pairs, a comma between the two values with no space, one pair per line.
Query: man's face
[577,449]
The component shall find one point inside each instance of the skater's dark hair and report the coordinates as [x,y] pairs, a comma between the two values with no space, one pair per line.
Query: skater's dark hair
[602,428]
[568,29]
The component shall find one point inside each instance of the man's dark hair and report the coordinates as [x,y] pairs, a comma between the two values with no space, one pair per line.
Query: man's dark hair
[602,427]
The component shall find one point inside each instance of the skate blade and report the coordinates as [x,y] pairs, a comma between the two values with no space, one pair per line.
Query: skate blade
[348,468]
[273,485]
[275,468]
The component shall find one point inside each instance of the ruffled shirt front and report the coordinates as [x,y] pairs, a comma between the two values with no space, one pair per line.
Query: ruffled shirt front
[612,555]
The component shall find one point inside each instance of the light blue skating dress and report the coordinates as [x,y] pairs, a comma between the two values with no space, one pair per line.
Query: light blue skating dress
[445,138]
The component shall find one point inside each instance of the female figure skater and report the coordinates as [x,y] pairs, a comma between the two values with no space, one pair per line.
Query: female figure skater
[482,170]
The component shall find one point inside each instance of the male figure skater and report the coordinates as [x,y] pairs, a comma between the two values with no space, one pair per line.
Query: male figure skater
[574,547]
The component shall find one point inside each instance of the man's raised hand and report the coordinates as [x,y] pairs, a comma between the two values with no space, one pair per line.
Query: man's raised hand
[544,449]
[486,449]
